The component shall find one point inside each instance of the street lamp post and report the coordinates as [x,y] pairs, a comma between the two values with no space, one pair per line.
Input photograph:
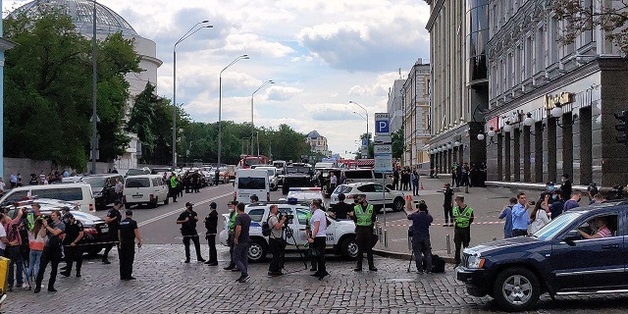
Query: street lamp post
[197,27]
[367,121]
[220,104]
[252,124]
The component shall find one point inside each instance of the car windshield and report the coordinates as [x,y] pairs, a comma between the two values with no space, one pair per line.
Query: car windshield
[342,189]
[298,169]
[95,182]
[304,195]
[134,172]
[137,183]
[557,225]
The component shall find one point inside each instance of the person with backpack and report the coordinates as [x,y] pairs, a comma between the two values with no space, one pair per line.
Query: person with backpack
[507,213]
[276,242]
[13,248]
[421,246]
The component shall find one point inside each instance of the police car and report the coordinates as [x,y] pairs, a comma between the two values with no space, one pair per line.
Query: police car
[340,233]
[305,194]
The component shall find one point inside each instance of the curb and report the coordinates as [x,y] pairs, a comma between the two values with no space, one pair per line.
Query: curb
[407,256]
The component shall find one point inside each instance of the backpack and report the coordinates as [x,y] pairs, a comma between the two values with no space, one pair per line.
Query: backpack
[266,228]
[438,264]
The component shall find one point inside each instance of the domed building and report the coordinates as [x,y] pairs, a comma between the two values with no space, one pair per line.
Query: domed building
[107,22]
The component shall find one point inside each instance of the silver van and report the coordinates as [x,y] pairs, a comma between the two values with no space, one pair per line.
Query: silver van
[78,193]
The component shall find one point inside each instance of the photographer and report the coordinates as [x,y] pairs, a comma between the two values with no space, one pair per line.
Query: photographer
[13,247]
[52,251]
[276,243]
[188,220]
[421,246]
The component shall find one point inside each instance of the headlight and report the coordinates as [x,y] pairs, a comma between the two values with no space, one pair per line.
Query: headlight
[475,262]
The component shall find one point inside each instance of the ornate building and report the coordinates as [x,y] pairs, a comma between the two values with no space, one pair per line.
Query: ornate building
[416,118]
[318,143]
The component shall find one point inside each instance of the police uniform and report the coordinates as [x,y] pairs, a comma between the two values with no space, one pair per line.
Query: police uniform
[113,232]
[188,231]
[73,253]
[364,218]
[127,247]
[462,231]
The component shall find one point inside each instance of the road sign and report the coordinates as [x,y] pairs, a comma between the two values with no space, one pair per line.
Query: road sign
[383,163]
[382,139]
[382,124]
[382,149]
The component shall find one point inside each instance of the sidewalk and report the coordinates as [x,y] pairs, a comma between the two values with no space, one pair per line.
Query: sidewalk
[486,202]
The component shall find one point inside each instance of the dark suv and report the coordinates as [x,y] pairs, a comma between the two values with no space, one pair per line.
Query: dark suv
[556,259]
[103,186]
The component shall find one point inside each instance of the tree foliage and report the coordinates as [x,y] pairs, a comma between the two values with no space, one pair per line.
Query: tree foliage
[48,90]
[398,143]
[610,16]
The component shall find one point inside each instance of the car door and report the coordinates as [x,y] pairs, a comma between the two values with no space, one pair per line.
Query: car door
[371,196]
[590,264]
[297,226]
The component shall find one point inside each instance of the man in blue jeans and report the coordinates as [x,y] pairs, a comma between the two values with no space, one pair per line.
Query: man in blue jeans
[520,217]
[241,242]
[421,246]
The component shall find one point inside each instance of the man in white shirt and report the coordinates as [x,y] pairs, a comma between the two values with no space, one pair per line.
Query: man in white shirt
[317,240]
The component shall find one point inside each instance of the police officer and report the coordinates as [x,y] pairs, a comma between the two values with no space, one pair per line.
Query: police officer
[188,220]
[463,217]
[364,216]
[71,245]
[231,225]
[173,187]
[127,234]
[211,224]
[113,221]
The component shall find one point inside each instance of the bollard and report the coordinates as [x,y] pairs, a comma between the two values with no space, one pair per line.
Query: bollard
[448,239]
[385,238]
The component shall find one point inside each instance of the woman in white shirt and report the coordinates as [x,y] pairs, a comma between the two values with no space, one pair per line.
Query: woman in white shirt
[540,216]
[317,240]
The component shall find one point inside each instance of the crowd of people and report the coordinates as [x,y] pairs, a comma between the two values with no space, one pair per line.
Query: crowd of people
[405,179]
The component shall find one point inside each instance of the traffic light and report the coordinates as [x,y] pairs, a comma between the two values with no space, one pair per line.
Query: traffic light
[622,127]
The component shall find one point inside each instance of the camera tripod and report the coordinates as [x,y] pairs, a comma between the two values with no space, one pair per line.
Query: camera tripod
[289,233]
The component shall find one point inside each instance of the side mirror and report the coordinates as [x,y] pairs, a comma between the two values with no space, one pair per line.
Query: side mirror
[572,236]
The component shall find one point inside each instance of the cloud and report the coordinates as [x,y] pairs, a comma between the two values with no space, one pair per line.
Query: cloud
[282,93]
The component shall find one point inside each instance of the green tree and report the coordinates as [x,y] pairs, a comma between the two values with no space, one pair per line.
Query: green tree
[48,94]
[397,143]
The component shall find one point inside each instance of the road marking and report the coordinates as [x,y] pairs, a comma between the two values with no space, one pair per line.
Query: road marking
[178,210]
[474,223]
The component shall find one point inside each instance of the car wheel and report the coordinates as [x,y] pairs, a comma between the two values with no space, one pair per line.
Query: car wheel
[154,204]
[516,289]
[398,204]
[257,251]
[349,247]
[167,201]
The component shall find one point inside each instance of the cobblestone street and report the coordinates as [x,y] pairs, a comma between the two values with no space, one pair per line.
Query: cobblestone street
[166,285]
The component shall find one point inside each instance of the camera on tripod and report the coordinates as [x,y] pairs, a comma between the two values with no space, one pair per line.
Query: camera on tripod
[289,217]
[616,193]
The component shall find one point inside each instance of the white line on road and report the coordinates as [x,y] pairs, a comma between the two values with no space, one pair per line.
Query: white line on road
[178,210]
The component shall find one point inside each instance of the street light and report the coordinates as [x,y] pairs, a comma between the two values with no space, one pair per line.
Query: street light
[220,104]
[185,36]
[253,125]
[367,120]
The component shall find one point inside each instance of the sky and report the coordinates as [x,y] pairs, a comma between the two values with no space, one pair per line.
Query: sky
[321,54]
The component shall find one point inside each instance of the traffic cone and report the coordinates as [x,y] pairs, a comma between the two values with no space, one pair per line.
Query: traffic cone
[408,202]
[422,187]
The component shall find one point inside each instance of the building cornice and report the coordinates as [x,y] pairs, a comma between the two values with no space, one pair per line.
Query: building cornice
[438,5]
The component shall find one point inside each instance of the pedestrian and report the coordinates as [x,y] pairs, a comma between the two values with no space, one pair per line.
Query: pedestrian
[421,245]
[454,180]
[396,179]
[448,205]
[463,217]
[507,214]
[318,238]
[231,226]
[52,251]
[72,248]
[119,189]
[127,234]
[211,225]
[241,242]
[597,199]
[414,176]
[340,209]
[573,202]
[112,220]
[556,207]
[343,178]
[13,248]
[13,180]
[308,234]
[520,219]
[36,241]
[565,186]
[464,179]
[333,181]
[364,216]
[188,220]
[173,187]
[276,242]
[216,177]
[540,216]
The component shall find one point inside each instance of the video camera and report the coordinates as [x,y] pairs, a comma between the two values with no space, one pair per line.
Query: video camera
[289,217]
[616,193]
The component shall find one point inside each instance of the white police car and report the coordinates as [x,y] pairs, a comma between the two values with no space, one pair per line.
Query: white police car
[340,233]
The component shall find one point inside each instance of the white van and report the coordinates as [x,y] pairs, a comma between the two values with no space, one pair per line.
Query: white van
[148,189]
[249,182]
[79,193]
[273,177]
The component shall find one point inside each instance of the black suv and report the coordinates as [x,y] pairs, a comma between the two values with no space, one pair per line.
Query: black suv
[556,259]
[297,175]
[103,186]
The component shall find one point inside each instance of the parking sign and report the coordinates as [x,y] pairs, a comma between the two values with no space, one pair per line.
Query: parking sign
[382,124]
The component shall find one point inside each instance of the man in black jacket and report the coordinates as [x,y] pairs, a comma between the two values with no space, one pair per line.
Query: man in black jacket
[188,220]
[211,224]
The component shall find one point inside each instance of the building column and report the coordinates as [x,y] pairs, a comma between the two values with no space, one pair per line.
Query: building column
[500,157]
[550,150]
[516,155]
[538,151]
[568,145]
[585,149]
[508,158]
[526,155]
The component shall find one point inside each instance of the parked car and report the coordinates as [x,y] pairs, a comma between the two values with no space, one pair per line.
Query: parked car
[103,187]
[77,193]
[374,195]
[148,189]
[340,233]
[137,171]
[557,259]
[304,194]
[273,179]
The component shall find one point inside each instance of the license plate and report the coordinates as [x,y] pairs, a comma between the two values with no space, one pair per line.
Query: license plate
[104,230]
[138,196]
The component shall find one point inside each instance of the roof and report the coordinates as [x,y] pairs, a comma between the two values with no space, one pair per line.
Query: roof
[81,11]
[313,134]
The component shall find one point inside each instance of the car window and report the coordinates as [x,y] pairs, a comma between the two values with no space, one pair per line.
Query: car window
[342,189]
[378,188]
[66,194]
[137,183]
[367,188]
[302,216]
[591,227]
[252,183]
[557,225]
[17,196]
[156,181]
[95,182]
[256,214]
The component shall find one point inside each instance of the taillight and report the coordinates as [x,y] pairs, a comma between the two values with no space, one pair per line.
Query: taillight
[350,196]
